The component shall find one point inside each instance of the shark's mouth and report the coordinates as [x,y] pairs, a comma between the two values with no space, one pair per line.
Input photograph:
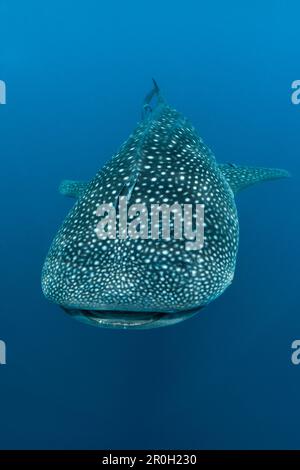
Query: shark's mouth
[128,319]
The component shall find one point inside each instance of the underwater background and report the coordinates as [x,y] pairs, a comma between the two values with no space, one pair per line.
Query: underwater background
[76,76]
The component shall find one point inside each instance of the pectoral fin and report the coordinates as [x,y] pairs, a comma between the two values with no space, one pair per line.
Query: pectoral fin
[72,188]
[240,177]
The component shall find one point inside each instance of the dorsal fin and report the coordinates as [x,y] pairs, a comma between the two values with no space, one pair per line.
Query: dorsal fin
[155,92]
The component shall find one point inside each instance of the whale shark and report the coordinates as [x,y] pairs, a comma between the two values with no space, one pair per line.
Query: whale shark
[139,283]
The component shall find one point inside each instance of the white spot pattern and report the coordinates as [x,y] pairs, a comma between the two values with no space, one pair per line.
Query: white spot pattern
[164,160]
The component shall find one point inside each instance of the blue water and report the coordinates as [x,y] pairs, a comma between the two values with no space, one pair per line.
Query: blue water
[76,74]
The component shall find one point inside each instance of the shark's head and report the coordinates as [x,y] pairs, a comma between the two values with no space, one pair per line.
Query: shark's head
[106,277]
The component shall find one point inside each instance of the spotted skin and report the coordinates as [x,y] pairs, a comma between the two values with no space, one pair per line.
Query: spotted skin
[146,283]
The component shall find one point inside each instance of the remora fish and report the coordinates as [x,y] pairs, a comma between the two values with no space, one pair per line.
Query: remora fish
[145,283]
